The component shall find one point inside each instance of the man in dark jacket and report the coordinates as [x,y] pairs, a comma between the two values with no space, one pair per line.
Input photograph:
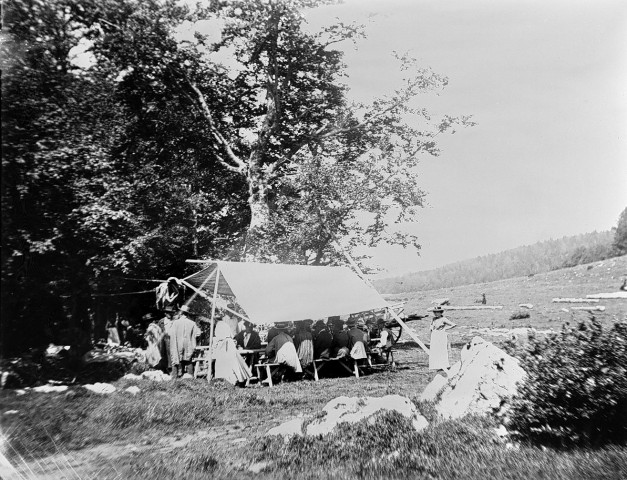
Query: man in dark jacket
[323,340]
[248,339]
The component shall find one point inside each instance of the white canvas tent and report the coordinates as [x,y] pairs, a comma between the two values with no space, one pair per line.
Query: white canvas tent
[269,292]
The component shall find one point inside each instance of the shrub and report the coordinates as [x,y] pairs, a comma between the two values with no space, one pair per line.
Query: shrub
[576,388]
[519,314]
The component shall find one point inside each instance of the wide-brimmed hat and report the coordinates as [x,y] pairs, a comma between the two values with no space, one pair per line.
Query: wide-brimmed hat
[438,309]
[351,322]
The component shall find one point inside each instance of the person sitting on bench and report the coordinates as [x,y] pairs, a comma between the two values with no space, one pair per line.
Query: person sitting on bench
[386,340]
[323,340]
[357,339]
[281,350]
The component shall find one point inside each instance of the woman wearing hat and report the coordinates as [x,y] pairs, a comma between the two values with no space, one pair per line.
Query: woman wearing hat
[438,348]
[281,349]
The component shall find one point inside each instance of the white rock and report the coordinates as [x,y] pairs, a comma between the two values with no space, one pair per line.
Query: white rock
[432,390]
[100,388]
[186,376]
[132,376]
[11,412]
[156,375]
[50,388]
[485,379]
[526,305]
[501,431]
[258,467]
[289,428]
[133,390]
[354,409]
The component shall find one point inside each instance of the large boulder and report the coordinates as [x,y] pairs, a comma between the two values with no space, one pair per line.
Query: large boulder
[351,410]
[482,382]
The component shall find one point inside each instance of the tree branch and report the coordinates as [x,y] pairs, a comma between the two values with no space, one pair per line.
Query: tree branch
[239,166]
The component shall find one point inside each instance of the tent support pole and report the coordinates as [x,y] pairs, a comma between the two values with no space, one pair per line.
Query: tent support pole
[365,279]
[211,300]
[213,316]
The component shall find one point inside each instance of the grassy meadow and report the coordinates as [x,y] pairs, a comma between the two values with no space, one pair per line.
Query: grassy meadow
[193,429]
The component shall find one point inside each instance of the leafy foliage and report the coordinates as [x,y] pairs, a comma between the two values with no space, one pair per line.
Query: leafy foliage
[620,235]
[522,261]
[576,386]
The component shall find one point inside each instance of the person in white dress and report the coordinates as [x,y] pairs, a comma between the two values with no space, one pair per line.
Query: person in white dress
[229,363]
[438,348]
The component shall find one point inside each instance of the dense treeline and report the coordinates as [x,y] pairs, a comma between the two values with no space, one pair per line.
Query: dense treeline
[528,260]
[131,142]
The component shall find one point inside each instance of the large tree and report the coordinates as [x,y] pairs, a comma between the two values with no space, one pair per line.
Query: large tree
[277,116]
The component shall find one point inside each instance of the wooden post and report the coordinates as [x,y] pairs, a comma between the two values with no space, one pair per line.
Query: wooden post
[213,314]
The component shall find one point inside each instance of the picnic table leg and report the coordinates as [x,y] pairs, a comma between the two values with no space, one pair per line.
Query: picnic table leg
[269,375]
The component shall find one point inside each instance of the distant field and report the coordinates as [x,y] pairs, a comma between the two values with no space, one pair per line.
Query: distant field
[538,290]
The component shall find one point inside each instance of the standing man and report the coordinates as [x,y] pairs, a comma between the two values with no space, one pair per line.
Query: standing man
[183,333]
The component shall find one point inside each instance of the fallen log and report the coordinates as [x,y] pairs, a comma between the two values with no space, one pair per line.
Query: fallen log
[599,308]
[608,295]
[469,307]
[575,300]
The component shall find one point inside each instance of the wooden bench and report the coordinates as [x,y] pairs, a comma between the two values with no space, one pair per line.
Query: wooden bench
[320,363]
[268,367]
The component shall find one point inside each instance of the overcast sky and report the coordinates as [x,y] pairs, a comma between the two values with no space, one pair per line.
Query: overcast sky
[546,82]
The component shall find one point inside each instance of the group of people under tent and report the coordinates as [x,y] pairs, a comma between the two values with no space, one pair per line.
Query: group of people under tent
[172,342]
[295,348]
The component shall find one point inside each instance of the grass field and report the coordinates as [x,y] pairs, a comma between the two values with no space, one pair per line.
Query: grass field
[192,429]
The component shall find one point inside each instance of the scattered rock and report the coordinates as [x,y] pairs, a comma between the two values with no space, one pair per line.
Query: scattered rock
[132,376]
[258,467]
[50,388]
[565,310]
[526,305]
[11,412]
[482,382]
[156,375]
[187,376]
[289,428]
[100,388]
[133,390]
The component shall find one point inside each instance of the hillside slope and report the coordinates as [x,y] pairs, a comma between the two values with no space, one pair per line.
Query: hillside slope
[522,261]
[538,290]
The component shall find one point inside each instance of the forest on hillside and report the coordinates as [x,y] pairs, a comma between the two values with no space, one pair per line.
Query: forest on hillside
[527,260]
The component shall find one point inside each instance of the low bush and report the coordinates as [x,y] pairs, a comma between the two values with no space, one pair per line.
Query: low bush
[519,314]
[576,387]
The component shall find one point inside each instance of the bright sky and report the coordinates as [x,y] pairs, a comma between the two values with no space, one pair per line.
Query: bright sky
[546,81]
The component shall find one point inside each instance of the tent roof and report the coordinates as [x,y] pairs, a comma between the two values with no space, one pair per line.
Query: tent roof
[270,292]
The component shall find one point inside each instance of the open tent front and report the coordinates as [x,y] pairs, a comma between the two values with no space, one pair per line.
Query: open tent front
[270,293]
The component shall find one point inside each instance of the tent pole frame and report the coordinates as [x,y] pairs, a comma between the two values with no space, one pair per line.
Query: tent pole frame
[212,328]
[354,264]
[211,300]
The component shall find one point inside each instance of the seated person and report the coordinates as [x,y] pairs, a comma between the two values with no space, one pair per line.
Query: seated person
[249,340]
[303,341]
[281,350]
[386,339]
[323,340]
[339,347]
[272,332]
[357,339]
